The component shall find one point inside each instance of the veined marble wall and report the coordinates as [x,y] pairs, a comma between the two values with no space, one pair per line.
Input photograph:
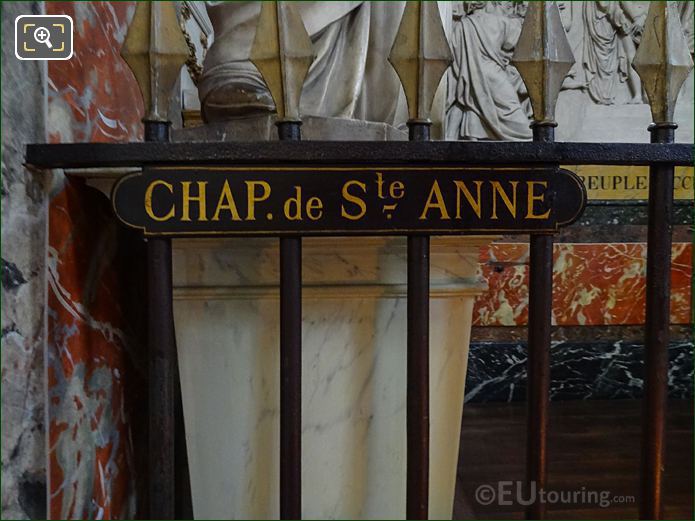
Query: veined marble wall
[93,347]
[597,369]
[593,284]
[23,281]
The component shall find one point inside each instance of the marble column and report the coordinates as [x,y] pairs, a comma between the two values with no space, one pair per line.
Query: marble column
[354,373]
[226,311]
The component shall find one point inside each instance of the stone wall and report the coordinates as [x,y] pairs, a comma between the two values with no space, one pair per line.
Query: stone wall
[23,280]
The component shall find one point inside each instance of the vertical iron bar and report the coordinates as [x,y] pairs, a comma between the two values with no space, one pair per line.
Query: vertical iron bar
[656,328]
[418,367]
[290,362]
[162,368]
[539,322]
[182,476]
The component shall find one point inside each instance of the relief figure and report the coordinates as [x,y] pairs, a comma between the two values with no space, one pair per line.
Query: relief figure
[485,92]
[613,30]
[350,77]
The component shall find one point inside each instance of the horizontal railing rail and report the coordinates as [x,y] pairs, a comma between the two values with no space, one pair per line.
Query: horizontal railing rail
[86,155]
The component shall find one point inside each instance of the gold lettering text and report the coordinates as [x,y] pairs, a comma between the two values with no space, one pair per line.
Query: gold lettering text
[379,185]
[148,201]
[509,203]
[226,202]
[297,203]
[353,199]
[436,194]
[532,198]
[253,198]
[476,205]
[314,203]
[188,198]
[397,190]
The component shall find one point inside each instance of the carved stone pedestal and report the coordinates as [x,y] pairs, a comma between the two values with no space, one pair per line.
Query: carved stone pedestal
[354,373]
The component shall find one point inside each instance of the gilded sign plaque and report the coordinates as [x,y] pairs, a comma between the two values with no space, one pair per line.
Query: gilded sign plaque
[629,183]
[282,200]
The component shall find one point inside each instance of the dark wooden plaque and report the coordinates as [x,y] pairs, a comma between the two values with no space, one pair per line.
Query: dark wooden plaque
[360,200]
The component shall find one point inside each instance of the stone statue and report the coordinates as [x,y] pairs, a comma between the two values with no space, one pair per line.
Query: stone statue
[487,100]
[350,77]
[612,32]
[572,16]
[688,21]
[485,97]
[485,93]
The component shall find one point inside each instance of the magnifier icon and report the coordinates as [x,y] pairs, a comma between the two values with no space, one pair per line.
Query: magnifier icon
[43,35]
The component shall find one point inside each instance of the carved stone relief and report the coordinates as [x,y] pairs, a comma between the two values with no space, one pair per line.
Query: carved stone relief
[485,97]
[350,77]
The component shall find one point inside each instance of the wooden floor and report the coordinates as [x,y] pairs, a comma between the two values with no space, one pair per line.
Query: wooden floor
[592,444]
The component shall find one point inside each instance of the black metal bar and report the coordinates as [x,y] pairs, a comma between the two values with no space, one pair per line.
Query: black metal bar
[84,155]
[289,130]
[161,354]
[182,475]
[290,362]
[657,321]
[540,305]
[539,322]
[418,364]
[162,365]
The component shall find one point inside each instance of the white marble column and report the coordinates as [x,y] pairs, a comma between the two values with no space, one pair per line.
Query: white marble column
[354,373]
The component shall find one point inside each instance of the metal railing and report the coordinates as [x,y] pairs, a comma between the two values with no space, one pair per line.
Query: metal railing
[662,66]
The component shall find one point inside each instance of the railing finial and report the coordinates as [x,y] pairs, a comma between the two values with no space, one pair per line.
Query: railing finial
[663,60]
[543,58]
[420,55]
[282,52]
[155,50]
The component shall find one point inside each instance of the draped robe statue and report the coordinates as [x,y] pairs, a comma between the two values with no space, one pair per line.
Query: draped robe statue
[484,90]
[350,78]
[612,32]
[687,10]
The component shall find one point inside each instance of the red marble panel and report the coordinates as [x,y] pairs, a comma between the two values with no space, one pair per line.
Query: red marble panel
[91,458]
[594,284]
[92,97]
[505,303]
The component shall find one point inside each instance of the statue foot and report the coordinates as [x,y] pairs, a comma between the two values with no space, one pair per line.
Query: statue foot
[236,91]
